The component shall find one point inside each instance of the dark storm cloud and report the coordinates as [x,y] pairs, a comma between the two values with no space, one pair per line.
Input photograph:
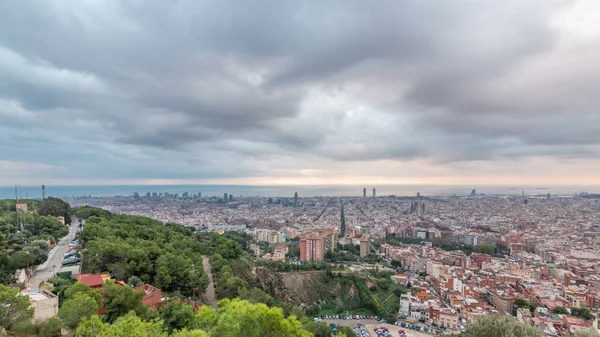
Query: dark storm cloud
[214,79]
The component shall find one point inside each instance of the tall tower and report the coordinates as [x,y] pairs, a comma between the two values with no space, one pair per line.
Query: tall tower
[225,198]
[43,192]
[342,219]
[295,199]
[374,193]
[364,192]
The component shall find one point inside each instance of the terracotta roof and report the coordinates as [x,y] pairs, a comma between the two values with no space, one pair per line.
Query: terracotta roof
[92,280]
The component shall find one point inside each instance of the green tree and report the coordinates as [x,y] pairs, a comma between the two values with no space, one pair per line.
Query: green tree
[14,307]
[23,260]
[82,288]
[119,300]
[586,333]
[41,255]
[521,303]
[74,310]
[56,207]
[251,320]
[256,295]
[484,249]
[5,269]
[49,328]
[190,333]
[319,329]
[584,313]
[177,316]
[347,331]
[501,326]
[127,326]
[560,310]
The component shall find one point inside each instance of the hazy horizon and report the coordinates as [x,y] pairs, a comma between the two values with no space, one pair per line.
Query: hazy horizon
[8,192]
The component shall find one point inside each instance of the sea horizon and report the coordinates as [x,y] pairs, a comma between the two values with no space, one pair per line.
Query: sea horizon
[35,192]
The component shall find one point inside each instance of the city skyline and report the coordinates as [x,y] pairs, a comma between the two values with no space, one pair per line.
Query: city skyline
[300,93]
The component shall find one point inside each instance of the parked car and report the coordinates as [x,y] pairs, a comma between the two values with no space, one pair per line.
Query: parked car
[71,260]
[71,253]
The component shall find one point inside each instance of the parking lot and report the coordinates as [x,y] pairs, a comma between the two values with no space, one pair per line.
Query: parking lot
[394,330]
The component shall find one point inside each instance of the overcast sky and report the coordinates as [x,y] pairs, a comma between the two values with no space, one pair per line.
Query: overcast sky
[300,92]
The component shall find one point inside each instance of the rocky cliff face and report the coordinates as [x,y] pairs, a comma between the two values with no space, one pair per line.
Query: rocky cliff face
[305,288]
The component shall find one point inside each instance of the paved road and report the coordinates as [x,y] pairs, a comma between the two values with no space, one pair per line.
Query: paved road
[210,294]
[46,270]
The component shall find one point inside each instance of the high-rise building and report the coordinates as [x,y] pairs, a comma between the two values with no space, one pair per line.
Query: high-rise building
[296,199]
[147,194]
[364,192]
[374,193]
[230,198]
[418,195]
[199,195]
[548,196]
[136,195]
[225,198]
[365,245]
[314,245]
[185,195]
[473,192]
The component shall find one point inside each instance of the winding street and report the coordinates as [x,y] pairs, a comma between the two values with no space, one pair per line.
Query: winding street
[52,264]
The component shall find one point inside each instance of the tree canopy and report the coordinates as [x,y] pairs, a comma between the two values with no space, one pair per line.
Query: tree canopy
[14,307]
[56,207]
[167,256]
[500,326]
[80,306]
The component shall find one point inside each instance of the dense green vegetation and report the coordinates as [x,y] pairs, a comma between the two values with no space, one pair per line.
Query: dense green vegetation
[24,236]
[167,256]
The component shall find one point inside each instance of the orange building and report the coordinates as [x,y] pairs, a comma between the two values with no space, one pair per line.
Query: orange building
[314,245]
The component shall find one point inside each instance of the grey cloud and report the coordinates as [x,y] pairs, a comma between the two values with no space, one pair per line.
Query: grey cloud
[234,80]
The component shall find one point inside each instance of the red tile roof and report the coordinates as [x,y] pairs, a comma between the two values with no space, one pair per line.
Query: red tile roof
[92,280]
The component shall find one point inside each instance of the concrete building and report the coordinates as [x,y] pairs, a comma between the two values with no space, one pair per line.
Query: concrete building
[502,301]
[365,246]
[314,245]
[45,304]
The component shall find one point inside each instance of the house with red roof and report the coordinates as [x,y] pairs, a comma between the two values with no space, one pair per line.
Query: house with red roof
[152,296]
[94,281]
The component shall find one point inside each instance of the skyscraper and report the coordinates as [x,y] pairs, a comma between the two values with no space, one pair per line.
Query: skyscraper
[296,199]
[230,197]
[473,192]
[225,199]
[374,193]
[364,192]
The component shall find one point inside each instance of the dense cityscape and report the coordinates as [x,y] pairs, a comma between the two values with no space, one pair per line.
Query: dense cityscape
[481,254]
[199,168]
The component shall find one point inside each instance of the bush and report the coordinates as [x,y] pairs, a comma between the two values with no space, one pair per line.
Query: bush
[50,328]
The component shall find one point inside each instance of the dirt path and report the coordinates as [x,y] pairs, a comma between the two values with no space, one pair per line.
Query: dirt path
[210,294]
